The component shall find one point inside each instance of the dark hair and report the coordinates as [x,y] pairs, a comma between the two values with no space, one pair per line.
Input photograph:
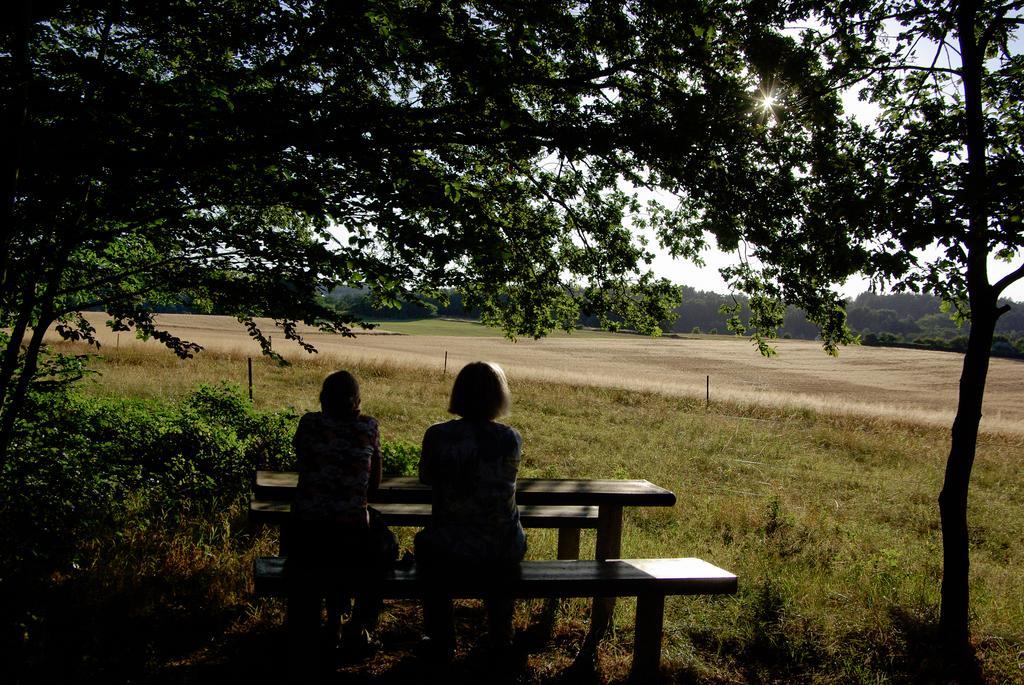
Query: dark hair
[480,392]
[339,396]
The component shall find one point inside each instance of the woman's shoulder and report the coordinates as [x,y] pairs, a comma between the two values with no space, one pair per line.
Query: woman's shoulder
[310,419]
[315,419]
[500,435]
[366,419]
[456,429]
[442,431]
[503,428]
[508,433]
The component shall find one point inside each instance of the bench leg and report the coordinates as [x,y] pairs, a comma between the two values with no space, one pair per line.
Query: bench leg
[568,549]
[650,615]
[283,538]
[609,546]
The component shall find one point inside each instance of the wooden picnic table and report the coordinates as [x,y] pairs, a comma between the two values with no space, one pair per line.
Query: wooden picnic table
[610,496]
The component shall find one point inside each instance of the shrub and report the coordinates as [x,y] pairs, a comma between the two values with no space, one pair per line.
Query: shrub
[76,462]
[400,458]
[83,470]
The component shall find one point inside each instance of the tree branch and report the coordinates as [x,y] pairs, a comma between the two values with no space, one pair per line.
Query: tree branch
[990,32]
[136,272]
[1009,279]
[1008,7]
[843,85]
[932,70]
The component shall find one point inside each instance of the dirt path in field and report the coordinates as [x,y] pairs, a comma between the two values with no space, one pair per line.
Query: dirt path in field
[913,384]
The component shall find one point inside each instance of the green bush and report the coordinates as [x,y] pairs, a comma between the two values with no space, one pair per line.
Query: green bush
[83,470]
[50,501]
[400,458]
[77,462]
[84,467]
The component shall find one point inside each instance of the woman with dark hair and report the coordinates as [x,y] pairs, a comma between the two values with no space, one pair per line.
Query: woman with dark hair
[471,464]
[334,537]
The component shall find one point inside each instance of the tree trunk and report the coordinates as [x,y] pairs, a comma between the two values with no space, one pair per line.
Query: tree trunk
[953,621]
[9,363]
[17,399]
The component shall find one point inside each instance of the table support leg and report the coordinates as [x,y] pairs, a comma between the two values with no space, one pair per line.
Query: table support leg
[568,543]
[609,546]
[650,615]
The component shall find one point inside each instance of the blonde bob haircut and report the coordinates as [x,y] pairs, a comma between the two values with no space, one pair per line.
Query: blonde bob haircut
[480,392]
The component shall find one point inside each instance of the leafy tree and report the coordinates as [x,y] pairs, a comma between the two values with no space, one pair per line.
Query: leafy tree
[949,167]
[942,168]
[245,157]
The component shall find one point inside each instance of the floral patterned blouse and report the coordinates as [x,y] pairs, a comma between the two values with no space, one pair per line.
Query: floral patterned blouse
[335,458]
[471,466]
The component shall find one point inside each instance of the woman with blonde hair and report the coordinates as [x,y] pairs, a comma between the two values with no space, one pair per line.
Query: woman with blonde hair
[471,464]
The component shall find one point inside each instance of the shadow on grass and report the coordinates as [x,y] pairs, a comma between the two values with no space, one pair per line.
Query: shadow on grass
[260,656]
[782,649]
[144,634]
[258,653]
[924,657]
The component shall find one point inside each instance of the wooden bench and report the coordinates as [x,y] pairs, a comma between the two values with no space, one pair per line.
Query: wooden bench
[569,520]
[649,580]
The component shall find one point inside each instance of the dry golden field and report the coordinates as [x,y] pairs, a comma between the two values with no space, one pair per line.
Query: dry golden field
[906,385]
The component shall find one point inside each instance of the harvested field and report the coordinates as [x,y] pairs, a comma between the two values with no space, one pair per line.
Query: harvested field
[905,385]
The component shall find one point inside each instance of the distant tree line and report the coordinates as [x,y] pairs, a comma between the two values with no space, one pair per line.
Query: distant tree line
[899,320]
[362,303]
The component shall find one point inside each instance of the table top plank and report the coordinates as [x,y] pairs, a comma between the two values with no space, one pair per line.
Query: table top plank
[276,512]
[280,485]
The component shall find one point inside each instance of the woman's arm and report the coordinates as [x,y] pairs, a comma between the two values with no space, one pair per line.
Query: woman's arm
[427,457]
[514,453]
[301,442]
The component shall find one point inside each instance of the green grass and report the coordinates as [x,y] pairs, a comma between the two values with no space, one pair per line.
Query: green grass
[831,523]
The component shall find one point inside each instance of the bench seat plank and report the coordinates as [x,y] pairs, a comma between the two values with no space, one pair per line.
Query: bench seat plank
[276,512]
[541,579]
